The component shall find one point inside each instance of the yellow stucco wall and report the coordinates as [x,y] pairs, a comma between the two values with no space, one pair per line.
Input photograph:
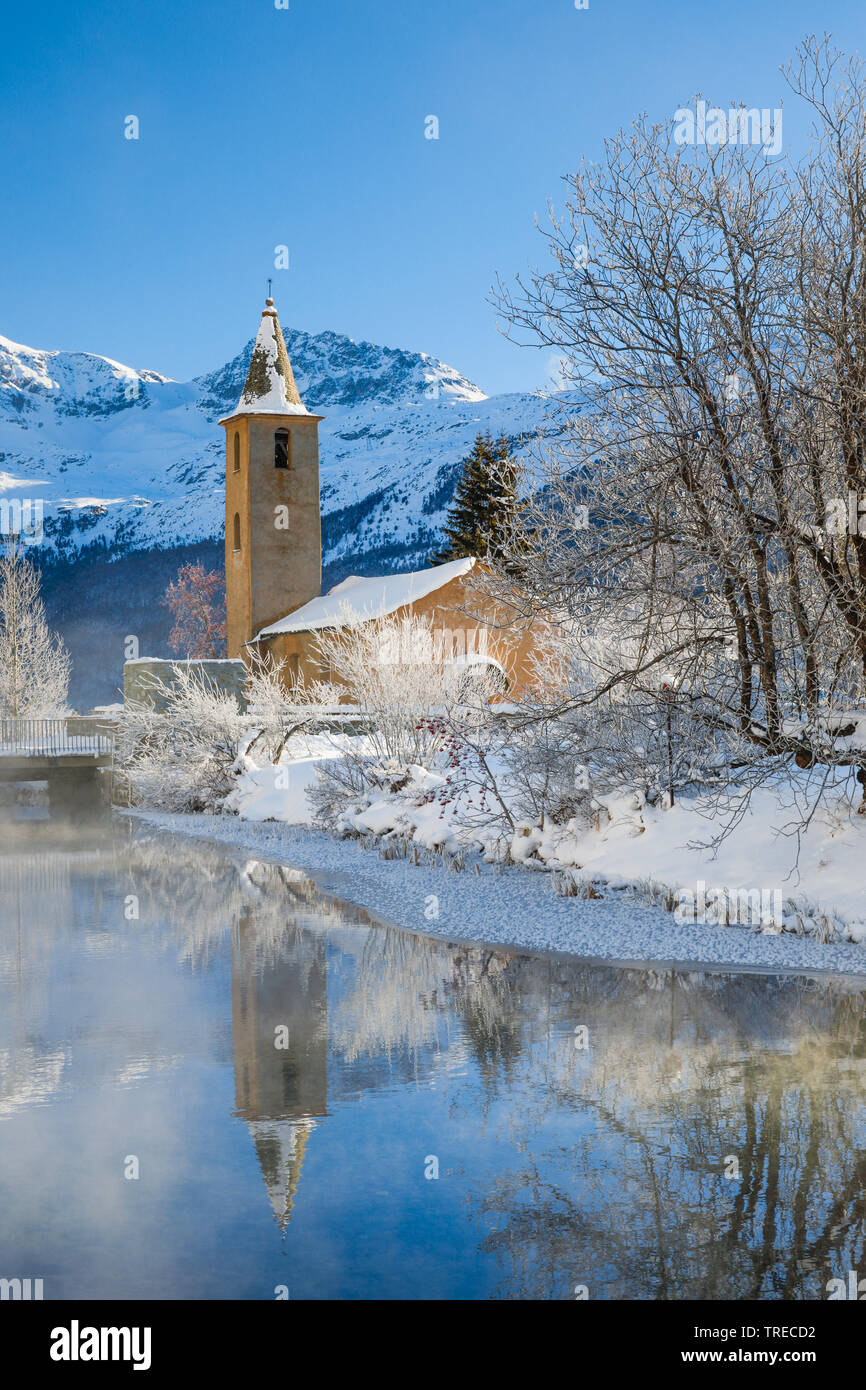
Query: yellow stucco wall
[445,610]
[275,569]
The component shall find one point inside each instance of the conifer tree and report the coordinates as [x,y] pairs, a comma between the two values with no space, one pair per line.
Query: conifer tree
[485,502]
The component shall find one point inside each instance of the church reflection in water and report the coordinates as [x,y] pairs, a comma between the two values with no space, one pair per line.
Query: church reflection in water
[303,1037]
[280,1030]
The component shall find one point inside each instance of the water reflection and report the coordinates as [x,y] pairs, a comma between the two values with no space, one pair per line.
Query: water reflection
[719,1141]
[708,1141]
[280,1029]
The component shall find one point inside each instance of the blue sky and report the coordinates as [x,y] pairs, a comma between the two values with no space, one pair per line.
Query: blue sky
[305,127]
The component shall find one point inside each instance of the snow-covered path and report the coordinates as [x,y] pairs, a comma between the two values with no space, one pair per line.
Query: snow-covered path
[514,907]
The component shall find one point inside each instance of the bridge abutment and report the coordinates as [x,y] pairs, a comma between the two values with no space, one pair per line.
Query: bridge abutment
[75,795]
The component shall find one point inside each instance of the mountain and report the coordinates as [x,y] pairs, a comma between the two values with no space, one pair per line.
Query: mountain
[129,467]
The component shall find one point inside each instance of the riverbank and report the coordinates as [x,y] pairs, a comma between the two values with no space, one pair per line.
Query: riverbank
[510,906]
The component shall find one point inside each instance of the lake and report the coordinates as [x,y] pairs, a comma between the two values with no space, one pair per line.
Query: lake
[217,1082]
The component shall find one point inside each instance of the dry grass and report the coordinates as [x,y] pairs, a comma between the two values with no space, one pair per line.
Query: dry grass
[571,885]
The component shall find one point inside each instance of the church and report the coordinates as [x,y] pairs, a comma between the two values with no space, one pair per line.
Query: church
[273,545]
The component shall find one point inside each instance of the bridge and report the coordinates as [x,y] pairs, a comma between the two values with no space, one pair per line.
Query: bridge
[69,754]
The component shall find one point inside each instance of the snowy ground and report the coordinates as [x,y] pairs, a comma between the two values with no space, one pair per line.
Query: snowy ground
[513,906]
[761,874]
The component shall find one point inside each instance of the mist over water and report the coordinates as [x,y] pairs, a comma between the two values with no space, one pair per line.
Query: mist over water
[283,1073]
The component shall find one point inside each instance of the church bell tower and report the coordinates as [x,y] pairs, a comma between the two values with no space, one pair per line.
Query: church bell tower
[273,521]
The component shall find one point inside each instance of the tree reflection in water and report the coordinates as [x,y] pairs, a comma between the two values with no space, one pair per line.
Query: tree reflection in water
[683,1073]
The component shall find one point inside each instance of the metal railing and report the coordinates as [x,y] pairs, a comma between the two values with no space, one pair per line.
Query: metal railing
[51,738]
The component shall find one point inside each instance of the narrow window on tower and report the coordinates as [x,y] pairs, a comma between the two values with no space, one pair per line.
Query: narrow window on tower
[237,452]
[237,532]
[282,449]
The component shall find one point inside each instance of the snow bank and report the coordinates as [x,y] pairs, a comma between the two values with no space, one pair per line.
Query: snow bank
[815,887]
[823,875]
[760,878]
[279,794]
[265,792]
[507,906]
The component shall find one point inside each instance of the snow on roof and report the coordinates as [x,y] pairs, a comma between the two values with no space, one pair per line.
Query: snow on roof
[185,660]
[359,598]
[270,387]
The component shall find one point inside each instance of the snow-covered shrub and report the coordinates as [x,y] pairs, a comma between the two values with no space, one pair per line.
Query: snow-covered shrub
[181,756]
[341,786]
[644,736]
[408,699]
[548,775]
[278,709]
[395,675]
[437,748]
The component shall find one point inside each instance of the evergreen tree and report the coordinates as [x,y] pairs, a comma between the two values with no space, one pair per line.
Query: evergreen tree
[485,502]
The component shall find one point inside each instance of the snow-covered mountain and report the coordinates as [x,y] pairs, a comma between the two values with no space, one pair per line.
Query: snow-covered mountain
[129,460]
[129,466]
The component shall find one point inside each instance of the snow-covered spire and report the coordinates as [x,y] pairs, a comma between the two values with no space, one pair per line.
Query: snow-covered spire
[270,387]
[280,1146]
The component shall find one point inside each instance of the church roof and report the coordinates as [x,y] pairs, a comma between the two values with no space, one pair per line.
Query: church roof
[358,598]
[270,387]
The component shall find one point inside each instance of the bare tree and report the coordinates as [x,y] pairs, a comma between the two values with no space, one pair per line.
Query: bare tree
[34,664]
[709,303]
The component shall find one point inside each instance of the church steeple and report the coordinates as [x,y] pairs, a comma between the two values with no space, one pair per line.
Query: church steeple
[270,385]
[273,521]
